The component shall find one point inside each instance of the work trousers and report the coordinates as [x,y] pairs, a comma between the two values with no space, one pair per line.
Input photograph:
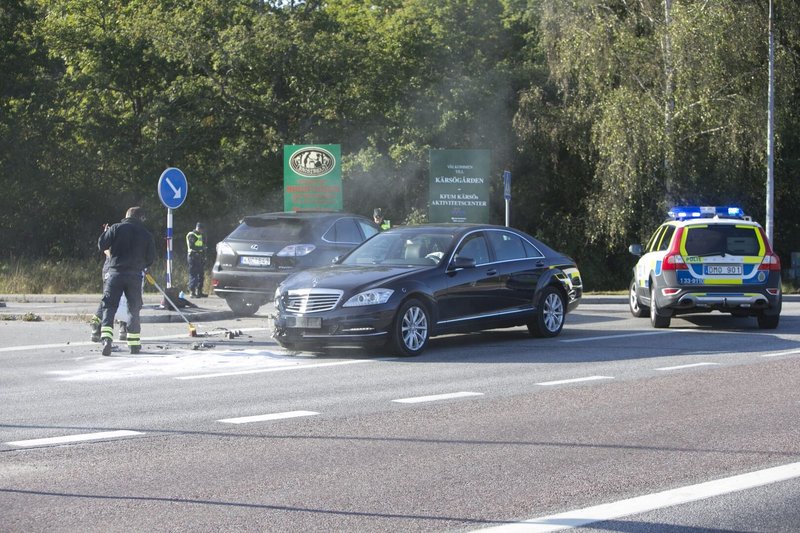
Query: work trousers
[197,266]
[122,310]
[117,284]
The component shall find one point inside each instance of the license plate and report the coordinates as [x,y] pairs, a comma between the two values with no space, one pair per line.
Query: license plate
[256,261]
[724,270]
[310,322]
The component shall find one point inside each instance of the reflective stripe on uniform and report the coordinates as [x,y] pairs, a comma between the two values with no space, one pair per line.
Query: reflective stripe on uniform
[106,332]
[134,339]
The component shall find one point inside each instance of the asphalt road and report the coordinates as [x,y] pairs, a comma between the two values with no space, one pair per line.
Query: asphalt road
[612,426]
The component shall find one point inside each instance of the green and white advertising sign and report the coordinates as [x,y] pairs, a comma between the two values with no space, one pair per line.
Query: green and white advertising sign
[312,177]
[459,188]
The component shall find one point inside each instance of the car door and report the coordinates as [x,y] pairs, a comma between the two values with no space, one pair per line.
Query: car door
[649,264]
[518,270]
[471,293]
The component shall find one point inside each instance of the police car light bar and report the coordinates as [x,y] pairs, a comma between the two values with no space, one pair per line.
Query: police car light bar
[706,211]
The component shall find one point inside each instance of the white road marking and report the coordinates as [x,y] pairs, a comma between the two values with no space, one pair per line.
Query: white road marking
[437,397]
[75,438]
[67,344]
[778,354]
[679,367]
[298,366]
[262,418]
[621,336]
[650,502]
[575,380]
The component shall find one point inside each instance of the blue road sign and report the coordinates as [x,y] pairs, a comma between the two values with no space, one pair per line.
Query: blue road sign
[172,188]
[507,184]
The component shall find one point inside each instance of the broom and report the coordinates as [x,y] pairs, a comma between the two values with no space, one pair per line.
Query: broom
[152,281]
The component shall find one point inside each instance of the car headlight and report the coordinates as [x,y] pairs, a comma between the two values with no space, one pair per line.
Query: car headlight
[370,297]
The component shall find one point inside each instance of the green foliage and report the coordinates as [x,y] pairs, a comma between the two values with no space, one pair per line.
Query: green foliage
[604,111]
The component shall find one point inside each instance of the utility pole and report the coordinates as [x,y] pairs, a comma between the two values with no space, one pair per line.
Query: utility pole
[771,135]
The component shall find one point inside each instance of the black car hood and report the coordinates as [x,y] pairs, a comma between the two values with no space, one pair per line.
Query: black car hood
[347,277]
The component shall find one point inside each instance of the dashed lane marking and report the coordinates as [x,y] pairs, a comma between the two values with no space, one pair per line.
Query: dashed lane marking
[680,367]
[778,354]
[263,418]
[650,502]
[69,439]
[298,366]
[621,336]
[574,380]
[438,397]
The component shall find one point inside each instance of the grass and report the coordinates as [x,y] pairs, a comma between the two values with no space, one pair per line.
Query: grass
[83,276]
[76,276]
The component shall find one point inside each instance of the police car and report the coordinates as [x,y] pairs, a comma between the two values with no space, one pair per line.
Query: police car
[704,259]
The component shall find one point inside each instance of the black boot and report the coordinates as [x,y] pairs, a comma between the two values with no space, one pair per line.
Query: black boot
[107,346]
[123,331]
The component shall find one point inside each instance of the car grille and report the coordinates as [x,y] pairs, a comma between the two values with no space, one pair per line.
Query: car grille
[312,300]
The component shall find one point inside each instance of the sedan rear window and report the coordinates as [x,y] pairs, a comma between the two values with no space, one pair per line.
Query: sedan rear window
[722,240]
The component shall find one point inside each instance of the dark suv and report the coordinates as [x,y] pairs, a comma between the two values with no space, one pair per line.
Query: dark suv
[266,248]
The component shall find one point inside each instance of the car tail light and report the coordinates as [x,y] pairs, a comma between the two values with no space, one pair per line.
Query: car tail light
[670,292]
[674,260]
[771,261]
[223,248]
[296,250]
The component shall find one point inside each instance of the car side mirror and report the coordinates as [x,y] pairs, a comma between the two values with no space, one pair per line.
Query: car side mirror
[635,249]
[335,260]
[462,262]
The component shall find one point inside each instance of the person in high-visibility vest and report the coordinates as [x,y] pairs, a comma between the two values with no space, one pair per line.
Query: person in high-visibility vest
[377,217]
[196,257]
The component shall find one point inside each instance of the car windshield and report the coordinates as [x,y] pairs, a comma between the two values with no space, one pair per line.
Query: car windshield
[722,239]
[262,229]
[401,248]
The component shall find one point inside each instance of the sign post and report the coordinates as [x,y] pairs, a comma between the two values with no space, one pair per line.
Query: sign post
[507,195]
[172,189]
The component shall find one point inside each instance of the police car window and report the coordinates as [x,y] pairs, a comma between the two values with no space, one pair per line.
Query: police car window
[343,230]
[474,246]
[654,239]
[666,237]
[368,230]
[722,239]
[506,246]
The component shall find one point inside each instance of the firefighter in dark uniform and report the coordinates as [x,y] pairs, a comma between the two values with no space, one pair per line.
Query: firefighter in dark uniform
[132,250]
[196,257]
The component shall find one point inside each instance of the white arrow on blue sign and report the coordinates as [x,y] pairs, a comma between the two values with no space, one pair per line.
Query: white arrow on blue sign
[172,188]
[507,184]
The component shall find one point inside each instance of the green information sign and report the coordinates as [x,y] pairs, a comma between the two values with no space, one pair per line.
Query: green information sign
[312,177]
[459,188]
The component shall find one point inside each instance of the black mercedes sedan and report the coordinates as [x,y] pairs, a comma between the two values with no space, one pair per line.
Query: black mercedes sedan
[408,284]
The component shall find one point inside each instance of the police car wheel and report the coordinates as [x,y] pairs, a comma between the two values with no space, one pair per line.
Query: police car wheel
[768,321]
[657,320]
[637,309]
[549,318]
